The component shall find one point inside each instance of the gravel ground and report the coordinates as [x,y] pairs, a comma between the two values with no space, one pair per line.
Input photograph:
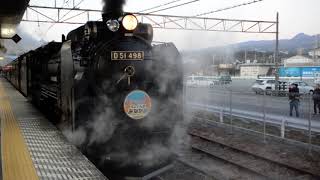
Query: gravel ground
[271,129]
[195,165]
[182,171]
[289,154]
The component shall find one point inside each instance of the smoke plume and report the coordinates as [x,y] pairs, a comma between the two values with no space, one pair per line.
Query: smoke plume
[111,6]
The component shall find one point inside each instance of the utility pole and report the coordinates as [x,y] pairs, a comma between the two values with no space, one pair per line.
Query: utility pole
[245,56]
[318,46]
[255,54]
[277,53]
[315,48]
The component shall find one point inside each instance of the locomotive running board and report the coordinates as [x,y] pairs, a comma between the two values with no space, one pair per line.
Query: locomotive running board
[151,175]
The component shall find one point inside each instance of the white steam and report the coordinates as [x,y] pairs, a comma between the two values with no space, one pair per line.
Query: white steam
[162,120]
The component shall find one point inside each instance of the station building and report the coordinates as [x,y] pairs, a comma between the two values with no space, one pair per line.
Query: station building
[300,66]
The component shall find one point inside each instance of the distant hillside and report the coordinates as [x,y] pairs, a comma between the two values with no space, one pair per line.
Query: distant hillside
[301,40]
[261,51]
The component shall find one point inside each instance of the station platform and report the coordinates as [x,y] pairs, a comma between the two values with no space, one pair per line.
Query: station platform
[34,149]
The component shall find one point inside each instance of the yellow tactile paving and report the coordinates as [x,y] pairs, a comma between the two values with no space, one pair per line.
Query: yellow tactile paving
[16,160]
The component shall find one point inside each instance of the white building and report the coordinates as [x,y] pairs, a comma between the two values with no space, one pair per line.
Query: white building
[315,53]
[298,61]
[255,69]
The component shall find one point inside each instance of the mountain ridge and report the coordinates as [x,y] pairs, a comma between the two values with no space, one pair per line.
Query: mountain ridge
[299,41]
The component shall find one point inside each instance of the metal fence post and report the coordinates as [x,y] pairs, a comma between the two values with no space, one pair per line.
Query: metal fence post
[221,116]
[224,104]
[207,99]
[264,115]
[184,97]
[283,128]
[231,115]
[309,123]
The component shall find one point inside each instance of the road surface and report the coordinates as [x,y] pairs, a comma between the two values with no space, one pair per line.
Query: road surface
[243,98]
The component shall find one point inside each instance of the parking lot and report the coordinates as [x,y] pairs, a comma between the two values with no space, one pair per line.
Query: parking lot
[239,96]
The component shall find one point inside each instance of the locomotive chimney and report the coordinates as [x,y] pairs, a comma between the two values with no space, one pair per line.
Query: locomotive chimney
[112,9]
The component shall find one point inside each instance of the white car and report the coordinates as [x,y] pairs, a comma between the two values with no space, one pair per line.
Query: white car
[198,81]
[269,85]
[263,85]
[304,88]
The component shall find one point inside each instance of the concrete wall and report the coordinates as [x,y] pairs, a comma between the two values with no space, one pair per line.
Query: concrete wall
[253,71]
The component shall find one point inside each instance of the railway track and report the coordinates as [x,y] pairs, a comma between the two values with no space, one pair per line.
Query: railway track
[183,171]
[203,141]
[210,152]
[195,165]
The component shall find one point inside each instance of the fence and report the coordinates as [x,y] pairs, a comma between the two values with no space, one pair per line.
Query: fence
[237,106]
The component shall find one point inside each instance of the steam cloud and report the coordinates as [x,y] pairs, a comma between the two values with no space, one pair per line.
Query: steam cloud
[105,123]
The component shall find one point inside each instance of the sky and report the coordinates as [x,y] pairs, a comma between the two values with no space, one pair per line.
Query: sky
[296,16]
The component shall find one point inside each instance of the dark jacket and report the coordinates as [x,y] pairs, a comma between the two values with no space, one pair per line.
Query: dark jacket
[294,93]
[316,94]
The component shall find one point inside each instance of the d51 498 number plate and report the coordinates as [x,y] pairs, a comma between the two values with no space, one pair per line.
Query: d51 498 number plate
[127,55]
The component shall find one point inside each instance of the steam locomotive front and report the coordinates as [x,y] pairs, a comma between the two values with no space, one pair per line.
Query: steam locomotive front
[129,97]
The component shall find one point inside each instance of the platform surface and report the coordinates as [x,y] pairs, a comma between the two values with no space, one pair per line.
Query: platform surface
[32,148]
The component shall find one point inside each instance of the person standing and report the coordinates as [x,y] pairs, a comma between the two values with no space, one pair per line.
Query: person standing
[294,99]
[316,99]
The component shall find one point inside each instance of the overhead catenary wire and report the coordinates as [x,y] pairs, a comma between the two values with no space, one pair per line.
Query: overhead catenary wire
[171,7]
[175,6]
[158,6]
[64,15]
[71,9]
[227,8]
[219,10]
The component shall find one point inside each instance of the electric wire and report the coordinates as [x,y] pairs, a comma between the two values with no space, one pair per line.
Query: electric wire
[218,10]
[74,8]
[230,7]
[175,6]
[158,6]
[64,15]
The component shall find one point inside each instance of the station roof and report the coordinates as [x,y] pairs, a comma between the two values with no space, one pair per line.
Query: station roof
[11,11]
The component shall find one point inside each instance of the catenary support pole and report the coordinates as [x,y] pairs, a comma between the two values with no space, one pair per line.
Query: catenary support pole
[277,55]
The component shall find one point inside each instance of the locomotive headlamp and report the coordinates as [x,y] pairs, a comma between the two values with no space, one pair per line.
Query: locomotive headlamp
[113,25]
[130,22]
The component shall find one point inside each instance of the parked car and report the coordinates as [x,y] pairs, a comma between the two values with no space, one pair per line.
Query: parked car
[304,88]
[199,81]
[263,85]
[222,80]
[269,86]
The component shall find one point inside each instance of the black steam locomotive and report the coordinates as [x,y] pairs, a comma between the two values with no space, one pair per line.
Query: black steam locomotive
[110,91]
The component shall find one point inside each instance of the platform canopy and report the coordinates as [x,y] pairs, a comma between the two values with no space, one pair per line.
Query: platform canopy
[11,11]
